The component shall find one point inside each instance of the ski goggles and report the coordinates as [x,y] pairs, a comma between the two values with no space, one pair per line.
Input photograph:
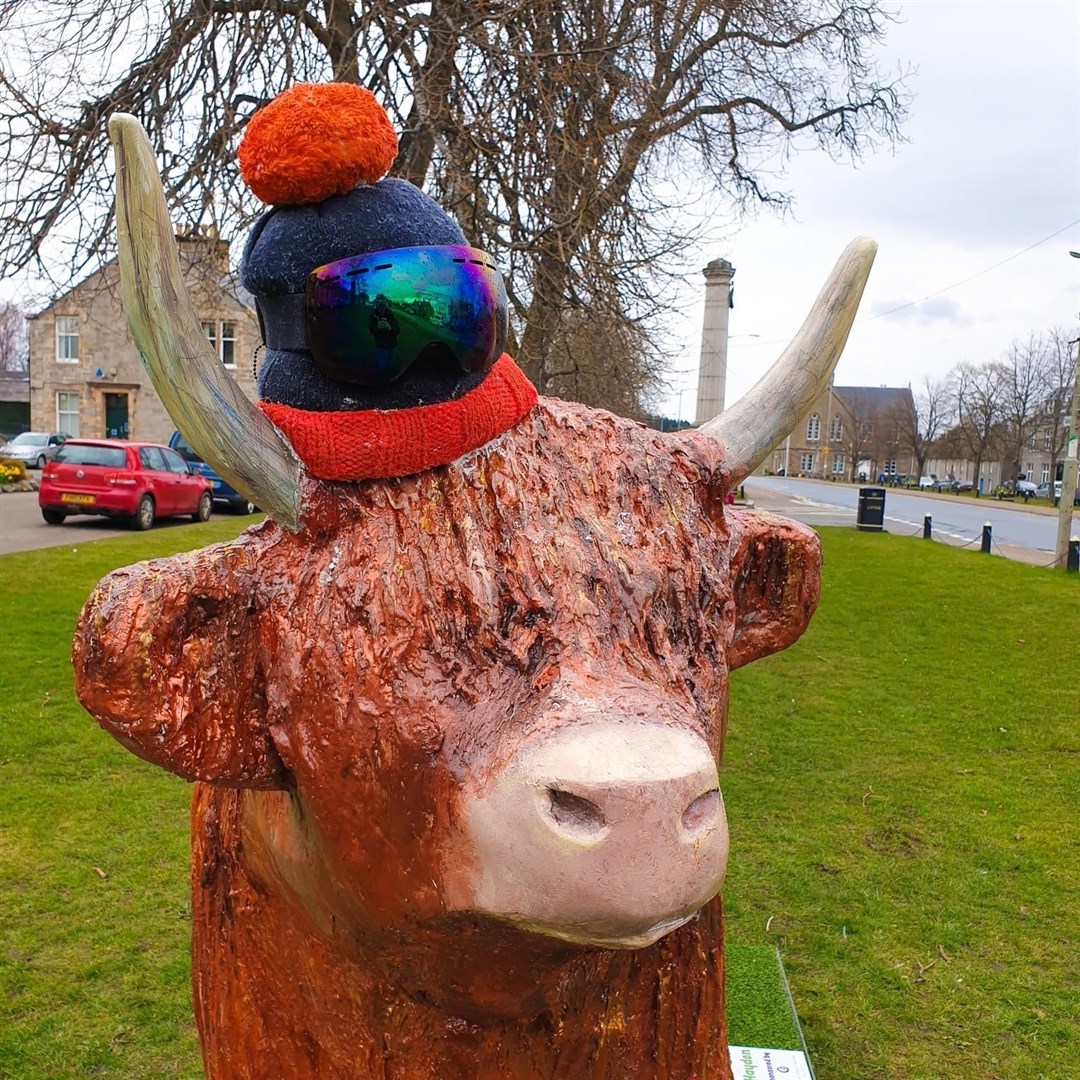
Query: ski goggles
[367,319]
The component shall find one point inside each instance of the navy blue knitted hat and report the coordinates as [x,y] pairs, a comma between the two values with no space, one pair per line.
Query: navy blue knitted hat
[288,242]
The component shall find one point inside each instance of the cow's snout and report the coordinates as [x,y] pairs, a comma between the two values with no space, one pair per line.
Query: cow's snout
[608,833]
[605,789]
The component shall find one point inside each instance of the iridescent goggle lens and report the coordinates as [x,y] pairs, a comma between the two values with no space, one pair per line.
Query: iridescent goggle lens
[371,317]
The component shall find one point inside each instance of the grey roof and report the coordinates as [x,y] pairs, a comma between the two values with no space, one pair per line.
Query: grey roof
[874,399]
[14,386]
[228,283]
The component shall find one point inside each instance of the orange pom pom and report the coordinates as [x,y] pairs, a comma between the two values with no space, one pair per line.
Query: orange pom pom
[316,140]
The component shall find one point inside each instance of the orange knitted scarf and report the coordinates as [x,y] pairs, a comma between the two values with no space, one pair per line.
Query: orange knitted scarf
[399,442]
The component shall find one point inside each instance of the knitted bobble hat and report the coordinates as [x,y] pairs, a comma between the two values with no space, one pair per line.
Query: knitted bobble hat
[314,141]
[318,154]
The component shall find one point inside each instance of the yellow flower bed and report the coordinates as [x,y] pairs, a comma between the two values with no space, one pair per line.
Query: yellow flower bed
[11,472]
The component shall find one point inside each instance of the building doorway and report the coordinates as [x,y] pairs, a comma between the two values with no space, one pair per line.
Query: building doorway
[116,416]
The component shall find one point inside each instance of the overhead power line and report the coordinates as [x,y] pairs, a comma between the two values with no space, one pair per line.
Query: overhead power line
[936,292]
[972,277]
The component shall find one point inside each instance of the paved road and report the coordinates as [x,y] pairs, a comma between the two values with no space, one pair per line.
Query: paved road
[22,528]
[1019,531]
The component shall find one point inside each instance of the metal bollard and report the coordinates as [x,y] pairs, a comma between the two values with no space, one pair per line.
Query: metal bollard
[1072,556]
[986,539]
[926,527]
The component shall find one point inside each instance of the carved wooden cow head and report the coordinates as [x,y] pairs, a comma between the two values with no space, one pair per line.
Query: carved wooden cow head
[496,689]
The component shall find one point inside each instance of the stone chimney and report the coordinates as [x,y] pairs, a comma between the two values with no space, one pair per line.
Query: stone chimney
[712,372]
[201,245]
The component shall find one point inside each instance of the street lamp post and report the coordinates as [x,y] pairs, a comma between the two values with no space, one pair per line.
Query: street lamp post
[1068,473]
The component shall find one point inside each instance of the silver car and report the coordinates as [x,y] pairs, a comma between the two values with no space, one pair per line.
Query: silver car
[33,448]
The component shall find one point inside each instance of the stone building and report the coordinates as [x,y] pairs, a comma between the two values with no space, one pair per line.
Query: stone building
[1040,460]
[86,378]
[849,432]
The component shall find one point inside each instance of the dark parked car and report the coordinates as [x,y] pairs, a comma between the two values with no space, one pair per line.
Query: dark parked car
[223,492]
[137,481]
[948,483]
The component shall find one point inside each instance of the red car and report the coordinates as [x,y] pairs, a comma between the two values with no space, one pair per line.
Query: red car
[138,481]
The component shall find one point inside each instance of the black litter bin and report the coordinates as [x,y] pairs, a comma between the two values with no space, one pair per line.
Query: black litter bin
[871,513]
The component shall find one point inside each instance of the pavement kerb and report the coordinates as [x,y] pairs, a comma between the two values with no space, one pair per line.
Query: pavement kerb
[987,500]
[787,504]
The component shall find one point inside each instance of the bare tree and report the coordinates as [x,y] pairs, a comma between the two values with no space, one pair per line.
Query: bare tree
[923,417]
[858,444]
[14,342]
[1024,381]
[1060,366]
[978,395]
[874,434]
[544,126]
[606,360]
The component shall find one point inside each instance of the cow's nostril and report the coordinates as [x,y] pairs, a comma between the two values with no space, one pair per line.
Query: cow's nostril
[702,812]
[573,813]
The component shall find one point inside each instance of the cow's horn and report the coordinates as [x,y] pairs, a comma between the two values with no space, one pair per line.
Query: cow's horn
[217,419]
[768,412]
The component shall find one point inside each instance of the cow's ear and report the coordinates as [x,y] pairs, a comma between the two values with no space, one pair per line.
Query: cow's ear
[166,659]
[776,580]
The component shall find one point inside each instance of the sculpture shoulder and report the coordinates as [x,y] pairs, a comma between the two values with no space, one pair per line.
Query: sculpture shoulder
[583,439]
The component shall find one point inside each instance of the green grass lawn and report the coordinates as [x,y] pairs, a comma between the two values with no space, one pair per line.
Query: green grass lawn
[903,789]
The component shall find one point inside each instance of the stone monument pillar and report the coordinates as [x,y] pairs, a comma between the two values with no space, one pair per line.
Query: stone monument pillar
[712,373]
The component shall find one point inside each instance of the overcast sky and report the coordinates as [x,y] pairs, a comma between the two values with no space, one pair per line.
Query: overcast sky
[991,167]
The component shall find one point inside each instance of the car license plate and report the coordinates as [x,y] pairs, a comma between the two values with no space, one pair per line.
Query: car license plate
[68,497]
[215,483]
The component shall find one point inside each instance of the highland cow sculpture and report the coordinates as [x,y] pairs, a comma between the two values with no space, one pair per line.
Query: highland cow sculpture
[455,734]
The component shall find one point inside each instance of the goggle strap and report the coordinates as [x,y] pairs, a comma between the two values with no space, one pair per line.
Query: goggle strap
[283,321]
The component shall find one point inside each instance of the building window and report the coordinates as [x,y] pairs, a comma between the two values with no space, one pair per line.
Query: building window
[228,344]
[67,339]
[222,338]
[836,428]
[1046,472]
[67,413]
[890,467]
[838,465]
[1046,441]
[1030,470]
[813,428]
[806,463]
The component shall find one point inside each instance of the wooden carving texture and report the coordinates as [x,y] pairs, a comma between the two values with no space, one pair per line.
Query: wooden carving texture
[335,692]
